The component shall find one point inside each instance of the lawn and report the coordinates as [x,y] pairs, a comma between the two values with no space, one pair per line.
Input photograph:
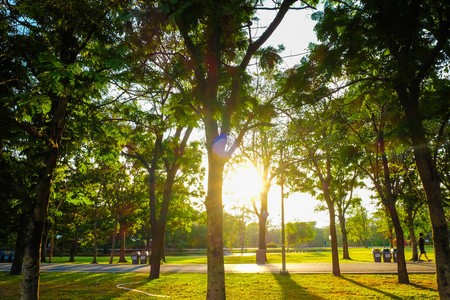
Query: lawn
[238,286]
[316,255]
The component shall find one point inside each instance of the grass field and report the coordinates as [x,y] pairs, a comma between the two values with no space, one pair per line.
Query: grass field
[317,255]
[238,286]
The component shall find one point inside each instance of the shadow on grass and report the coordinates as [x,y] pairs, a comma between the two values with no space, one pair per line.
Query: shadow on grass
[418,286]
[292,290]
[392,296]
[88,285]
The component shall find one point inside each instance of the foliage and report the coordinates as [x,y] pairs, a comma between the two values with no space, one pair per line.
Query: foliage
[272,245]
[299,232]
[358,224]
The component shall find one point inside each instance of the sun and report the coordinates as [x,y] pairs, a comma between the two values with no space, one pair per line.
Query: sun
[241,185]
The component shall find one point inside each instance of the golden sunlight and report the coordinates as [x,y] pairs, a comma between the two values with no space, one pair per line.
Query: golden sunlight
[240,186]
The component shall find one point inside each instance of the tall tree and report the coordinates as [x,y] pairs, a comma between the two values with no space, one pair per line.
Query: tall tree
[59,45]
[157,119]
[219,51]
[158,138]
[412,209]
[318,138]
[262,149]
[410,40]
[383,157]
[358,223]
[344,201]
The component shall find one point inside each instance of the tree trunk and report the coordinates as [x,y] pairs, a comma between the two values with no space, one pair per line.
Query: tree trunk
[122,234]
[389,202]
[73,249]
[156,238]
[94,260]
[16,268]
[390,236]
[111,256]
[438,220]
[31,267]
[262,245]
[412,234]
[157,245]
[52,243]
[325,182]
[213,202]
[334,244]
[401,261]
[345,253]
[44,242]
[158,234]
[243,232]
[164,249]
[409,98]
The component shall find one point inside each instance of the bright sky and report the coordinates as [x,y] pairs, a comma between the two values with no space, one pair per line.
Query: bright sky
[239,188]
[295,32]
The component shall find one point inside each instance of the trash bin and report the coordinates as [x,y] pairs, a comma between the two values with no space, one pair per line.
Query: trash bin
[144,256]
[394,254]
[6,256]
[386,255]
[135,257]
[376,255]
[11,256]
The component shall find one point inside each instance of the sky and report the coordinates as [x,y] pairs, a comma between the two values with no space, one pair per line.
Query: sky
[243,183]
[295,32]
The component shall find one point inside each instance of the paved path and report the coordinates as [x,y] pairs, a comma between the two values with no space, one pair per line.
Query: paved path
[306,268]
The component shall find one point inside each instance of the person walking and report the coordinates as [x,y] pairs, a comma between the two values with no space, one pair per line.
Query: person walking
[422,247]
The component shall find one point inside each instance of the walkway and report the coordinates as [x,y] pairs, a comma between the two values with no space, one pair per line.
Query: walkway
[305,268]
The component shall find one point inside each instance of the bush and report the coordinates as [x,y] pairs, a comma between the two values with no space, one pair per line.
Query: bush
[272,245]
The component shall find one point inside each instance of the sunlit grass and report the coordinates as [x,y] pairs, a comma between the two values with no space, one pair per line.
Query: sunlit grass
[316,255]
[238,286]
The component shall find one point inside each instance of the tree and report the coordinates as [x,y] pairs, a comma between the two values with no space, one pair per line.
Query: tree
[358,223]
[125,195]
[219,51]
[17,187]
[412,205]
[317,136]
[344,200]
[157,121]
[408,58]
[383,159]
[262,149]
[300,232]
[60,45]
[169,150]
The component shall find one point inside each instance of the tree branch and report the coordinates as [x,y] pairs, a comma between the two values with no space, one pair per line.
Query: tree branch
[253,47]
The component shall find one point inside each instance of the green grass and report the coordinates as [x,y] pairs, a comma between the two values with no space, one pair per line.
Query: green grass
[316,255]
[238,286]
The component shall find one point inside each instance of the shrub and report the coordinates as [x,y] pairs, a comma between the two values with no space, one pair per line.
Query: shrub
[272,245]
